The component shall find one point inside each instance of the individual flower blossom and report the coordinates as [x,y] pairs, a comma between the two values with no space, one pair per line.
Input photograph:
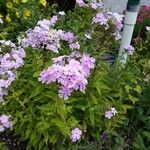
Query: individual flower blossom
[110,113]
[87,64]
[148,28]
[74,46]
[53,20]
[96,5]
[7,78]
[129,49]
[104,136]
[75,135]
[5,122]
[60,59]
[62,13]
[114,111]
[1,21]
[81,3]
[88,36]
[100,18]
[44,23]
[1,128]
[68,36]
[70,72]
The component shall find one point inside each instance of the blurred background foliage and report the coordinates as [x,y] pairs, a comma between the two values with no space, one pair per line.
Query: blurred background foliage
[20,15]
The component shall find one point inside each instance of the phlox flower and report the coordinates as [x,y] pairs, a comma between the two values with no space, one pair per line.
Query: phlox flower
[70,72]
[1,21]
[74,46]
[5,122]
[75,134]
[110,113]
[148,28]
[62,13]
[81,3]
[9,62]
[95,5]
[88,36]
[129,49]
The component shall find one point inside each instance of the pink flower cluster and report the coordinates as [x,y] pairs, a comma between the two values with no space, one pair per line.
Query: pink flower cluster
[75,134]
[129,49]
[93,5]
[44,36]
[96,5]
[81,3]
[9,62]
[5,122]
[110,113]
[144,13]
[70,72]
[103,18]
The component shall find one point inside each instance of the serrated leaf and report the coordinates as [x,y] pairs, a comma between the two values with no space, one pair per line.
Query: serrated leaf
[133,99]
[128,88]
[36,91]
[36,74]
[138,89]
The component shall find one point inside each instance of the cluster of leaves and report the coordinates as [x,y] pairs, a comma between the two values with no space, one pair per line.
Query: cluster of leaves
[134,132]
[18,16]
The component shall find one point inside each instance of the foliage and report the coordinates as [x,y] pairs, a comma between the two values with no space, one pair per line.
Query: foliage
[143,20]
[43,120]
[21,15]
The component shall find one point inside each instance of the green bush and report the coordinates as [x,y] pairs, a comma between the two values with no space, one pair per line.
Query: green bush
[44,120]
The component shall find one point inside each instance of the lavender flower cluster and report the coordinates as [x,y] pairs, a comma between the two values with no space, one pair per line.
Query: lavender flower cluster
[75,134]
[93,5]
[129,49]
[110,113]
[70,72]
[44,36]
[5,122]
[9,62]
[103,18]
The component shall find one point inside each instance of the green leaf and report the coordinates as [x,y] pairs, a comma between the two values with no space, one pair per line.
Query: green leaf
[27,133]
[36,91]
[53,138]
[36,74]
[147,134]
[91,115]
[128,88]
[138,89]
[133,99]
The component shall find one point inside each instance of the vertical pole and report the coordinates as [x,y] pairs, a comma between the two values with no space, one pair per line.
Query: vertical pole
[129,23]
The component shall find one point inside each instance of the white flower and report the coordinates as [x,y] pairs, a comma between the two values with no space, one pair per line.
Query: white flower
[113,110]
[62,13]
[1,21]
[88,36]
[148,28]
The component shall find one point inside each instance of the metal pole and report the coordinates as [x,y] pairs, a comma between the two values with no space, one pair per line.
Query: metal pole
[129,23]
